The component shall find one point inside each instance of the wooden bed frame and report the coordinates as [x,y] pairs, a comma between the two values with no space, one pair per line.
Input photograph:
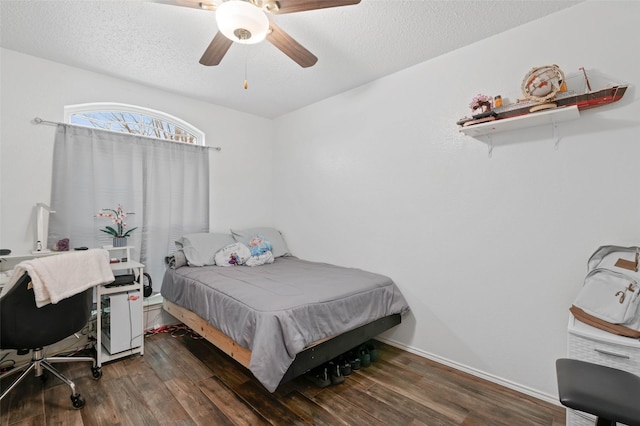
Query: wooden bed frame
[314,355]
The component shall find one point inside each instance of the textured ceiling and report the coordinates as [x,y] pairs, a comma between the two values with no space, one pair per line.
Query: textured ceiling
[159,45]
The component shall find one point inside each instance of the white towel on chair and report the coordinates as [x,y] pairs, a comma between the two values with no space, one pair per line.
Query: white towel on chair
[60,276]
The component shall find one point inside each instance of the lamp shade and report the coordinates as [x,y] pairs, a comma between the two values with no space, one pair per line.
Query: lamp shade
[242,22]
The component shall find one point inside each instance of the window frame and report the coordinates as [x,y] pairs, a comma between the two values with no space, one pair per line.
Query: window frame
[70,110]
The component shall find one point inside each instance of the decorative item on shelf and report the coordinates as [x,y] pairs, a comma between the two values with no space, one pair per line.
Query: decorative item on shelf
[481,107]
[541,85]
[480,104]
[61,245]
[497,101]
[551,89]
[117,216]
[575,89]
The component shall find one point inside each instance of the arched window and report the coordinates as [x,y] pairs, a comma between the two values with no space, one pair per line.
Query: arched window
[133,119]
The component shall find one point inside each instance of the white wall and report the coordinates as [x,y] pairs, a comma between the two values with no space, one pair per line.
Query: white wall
[33,87]
[490,252]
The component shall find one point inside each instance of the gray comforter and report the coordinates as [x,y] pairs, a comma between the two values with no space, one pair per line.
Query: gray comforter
[277,310]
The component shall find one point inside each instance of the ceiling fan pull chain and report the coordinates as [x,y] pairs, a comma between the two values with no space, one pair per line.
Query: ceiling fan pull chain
[246,59]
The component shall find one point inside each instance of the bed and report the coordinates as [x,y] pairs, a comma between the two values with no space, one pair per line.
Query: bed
[281,319]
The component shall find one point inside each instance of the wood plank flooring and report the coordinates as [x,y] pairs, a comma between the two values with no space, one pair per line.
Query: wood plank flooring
[187,381]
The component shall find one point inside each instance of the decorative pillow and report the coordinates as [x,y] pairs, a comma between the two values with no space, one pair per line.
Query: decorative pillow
[278,245]
[259,245]
[263,259]
[200,248]
[232,255]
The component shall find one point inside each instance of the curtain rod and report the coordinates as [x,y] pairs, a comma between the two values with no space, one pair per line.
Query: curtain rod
[38,120]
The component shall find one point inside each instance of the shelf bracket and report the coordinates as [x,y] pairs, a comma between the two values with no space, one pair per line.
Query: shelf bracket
[489,145]
[554,134]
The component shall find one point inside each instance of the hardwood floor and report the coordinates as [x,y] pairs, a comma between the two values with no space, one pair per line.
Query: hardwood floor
[187,381]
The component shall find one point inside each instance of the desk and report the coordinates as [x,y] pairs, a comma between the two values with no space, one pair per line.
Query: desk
[9,262]
[132,323]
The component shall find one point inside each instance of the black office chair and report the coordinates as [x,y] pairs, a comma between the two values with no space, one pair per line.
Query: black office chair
[27,328]
[610,394]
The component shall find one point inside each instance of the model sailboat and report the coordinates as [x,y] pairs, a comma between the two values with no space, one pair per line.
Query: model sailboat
[582,90]
[579,92]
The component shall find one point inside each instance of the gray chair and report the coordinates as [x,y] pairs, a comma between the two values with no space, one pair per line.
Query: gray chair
[27,328]
[610,394]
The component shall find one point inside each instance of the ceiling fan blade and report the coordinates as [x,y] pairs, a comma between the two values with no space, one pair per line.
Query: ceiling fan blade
[216,50]
[290,47]
[195,4]
[290,6]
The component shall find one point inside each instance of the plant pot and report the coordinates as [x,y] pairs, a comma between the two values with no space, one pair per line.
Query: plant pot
[119,241]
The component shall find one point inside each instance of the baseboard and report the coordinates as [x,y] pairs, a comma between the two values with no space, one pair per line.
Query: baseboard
[154,315]
[552,399]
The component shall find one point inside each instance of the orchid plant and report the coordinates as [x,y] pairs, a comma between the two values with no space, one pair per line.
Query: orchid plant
[480,101]
[117,216]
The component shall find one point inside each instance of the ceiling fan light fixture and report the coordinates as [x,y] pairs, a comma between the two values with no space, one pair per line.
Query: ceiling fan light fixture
[242,22]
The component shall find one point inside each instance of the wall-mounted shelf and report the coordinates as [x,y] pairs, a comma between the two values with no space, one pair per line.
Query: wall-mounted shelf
[550,116]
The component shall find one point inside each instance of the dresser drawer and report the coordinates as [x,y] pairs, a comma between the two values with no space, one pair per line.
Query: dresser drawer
[605,353]
[593,345]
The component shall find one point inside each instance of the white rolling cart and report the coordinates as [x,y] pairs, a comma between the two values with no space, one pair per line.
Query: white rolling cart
[119,318]
[591,344]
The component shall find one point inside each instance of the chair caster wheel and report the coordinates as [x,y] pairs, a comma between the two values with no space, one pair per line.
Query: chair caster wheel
[77,401]
[96,372]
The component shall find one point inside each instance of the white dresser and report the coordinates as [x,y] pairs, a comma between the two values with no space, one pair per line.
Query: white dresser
[600,347]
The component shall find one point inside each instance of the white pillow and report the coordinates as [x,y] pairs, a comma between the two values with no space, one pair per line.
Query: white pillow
[200,248]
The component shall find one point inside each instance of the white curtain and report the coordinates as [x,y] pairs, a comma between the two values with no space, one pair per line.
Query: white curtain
[164,184]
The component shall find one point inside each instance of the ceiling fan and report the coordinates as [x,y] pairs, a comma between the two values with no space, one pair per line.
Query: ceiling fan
[247,22]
